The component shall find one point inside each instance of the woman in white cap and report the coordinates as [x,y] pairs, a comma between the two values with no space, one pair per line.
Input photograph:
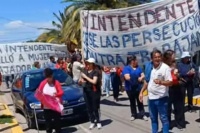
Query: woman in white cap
[92,92]
[187,73]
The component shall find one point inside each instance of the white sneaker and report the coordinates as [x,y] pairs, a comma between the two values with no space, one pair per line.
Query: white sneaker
[92,125]
[145,118]
[132,118]
[99,126]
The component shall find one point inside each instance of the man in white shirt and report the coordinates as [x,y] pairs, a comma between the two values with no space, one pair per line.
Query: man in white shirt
[158,87]
[76,69]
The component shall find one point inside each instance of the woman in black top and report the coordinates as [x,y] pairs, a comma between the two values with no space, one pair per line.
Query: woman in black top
[92,93]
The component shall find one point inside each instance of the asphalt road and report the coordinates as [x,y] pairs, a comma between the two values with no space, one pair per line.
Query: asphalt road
[114,116]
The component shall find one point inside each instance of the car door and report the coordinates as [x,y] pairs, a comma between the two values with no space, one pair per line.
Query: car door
[17,92]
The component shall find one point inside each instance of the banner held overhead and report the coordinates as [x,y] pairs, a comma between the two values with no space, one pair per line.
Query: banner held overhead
[19,57]
[110,36]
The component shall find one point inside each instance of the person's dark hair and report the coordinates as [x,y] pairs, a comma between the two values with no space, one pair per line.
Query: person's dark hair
[130,58]
[51,57]
[48,72]
[36,64]
[154,52]
[59,59]
[98,67]
[167,55]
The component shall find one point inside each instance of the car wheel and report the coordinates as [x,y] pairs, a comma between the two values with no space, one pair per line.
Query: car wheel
[30,122]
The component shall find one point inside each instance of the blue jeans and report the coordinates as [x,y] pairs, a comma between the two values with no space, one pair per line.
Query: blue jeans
[107,83]
[159,106]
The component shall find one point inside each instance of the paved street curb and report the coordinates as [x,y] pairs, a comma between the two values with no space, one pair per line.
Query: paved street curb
[12,127]
[196,101]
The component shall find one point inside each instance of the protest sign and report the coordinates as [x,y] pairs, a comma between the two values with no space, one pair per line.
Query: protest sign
[110,36]
[19,57]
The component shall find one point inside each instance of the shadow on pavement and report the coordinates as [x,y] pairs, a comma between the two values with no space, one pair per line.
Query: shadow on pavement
[140,116]
[194,109]
[174,124]
[41,128]
[106,122]
[123,99]
[65,127]
[69,130]
[10,104]
[198,120]
[162,132]
[65,124]
[26,129]
[104,94]
[186,123]
[112,103]
[76,121]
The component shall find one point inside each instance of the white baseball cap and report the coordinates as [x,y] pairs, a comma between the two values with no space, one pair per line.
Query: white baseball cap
[91,60]
[185,54]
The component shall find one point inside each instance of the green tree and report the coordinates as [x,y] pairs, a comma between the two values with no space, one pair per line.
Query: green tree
[62,33]
[54,35]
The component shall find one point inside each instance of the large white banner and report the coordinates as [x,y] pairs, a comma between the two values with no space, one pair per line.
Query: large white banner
[109,36]
[19,57]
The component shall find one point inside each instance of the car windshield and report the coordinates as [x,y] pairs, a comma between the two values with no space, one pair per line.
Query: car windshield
[32,81]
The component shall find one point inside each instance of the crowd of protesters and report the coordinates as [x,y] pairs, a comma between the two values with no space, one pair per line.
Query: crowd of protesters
[167,83]
[166,80]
